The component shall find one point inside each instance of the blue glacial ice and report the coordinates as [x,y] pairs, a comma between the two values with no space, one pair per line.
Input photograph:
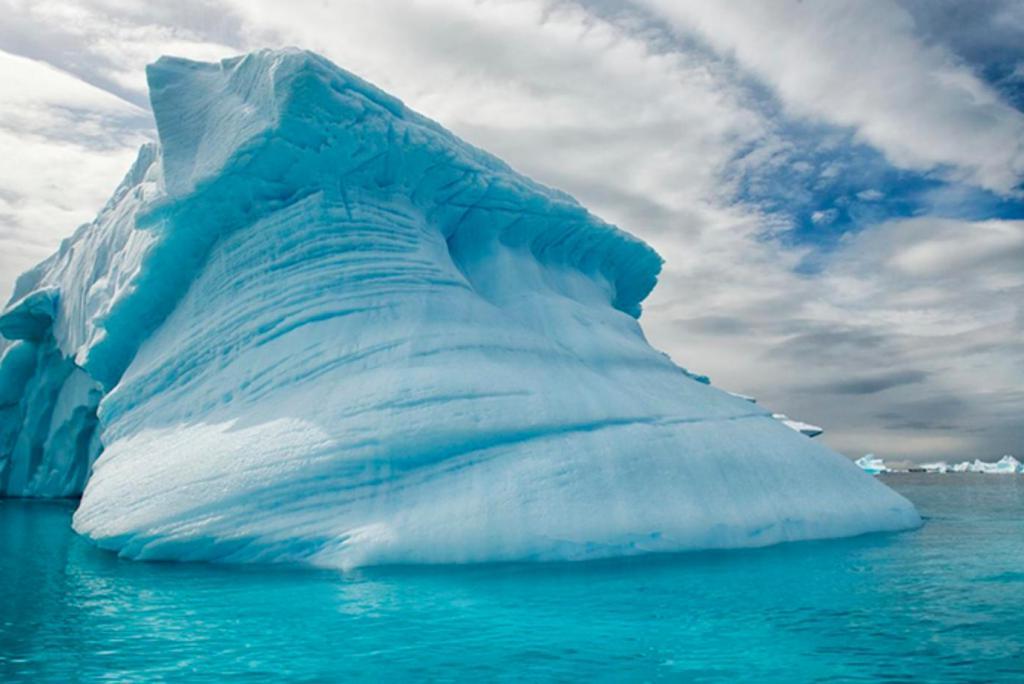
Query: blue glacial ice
[311,325]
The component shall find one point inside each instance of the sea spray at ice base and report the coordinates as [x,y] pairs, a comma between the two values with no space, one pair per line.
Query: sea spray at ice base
[326,330]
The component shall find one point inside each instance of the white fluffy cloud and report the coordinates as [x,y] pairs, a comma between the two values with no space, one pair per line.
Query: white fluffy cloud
[62,143]
[860,64]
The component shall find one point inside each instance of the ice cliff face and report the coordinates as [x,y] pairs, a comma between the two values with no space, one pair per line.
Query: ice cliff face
[314,326]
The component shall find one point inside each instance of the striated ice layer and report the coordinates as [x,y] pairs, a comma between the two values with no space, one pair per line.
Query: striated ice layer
[314,326]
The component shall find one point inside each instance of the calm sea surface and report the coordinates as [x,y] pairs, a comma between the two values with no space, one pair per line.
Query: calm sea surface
[944,603]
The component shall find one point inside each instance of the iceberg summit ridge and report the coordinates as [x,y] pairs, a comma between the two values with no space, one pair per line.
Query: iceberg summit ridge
[313,326]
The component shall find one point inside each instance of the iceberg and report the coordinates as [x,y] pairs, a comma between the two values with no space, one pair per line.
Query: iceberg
[870,463]
[1007,465]
[313,326]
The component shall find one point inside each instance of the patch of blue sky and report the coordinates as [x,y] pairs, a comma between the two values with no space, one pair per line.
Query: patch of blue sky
[814,182]
[986,35]
[823,184]
[1007,77]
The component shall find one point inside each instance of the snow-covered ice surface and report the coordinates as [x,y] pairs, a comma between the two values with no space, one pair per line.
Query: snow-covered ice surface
[312,325]
[798,425]
[803,428]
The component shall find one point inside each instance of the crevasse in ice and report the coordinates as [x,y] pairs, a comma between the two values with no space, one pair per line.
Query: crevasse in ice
[312,325]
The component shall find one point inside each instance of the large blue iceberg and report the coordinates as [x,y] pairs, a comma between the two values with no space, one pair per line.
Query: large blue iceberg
[311,325]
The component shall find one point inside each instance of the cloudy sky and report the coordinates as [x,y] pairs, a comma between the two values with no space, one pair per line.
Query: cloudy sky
[836,187]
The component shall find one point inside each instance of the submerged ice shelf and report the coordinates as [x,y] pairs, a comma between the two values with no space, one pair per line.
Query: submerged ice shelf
[312,325]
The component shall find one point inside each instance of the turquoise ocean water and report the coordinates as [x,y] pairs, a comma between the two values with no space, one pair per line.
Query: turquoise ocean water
[944,603]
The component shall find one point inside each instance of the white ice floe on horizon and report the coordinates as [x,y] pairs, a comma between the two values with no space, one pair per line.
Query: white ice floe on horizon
[312,325]
[1007,465]
[870,463]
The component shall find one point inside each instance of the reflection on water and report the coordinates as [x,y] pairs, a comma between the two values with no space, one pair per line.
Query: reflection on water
[942,603]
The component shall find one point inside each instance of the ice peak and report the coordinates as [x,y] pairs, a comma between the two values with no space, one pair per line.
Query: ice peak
[261,131]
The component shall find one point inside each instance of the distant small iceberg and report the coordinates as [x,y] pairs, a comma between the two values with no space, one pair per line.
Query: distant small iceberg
[870,463]
[1007,465]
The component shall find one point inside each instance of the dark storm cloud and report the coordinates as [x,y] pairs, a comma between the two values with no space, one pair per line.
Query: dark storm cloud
[833,345]
[928,413]
[716,325]
[876,383]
